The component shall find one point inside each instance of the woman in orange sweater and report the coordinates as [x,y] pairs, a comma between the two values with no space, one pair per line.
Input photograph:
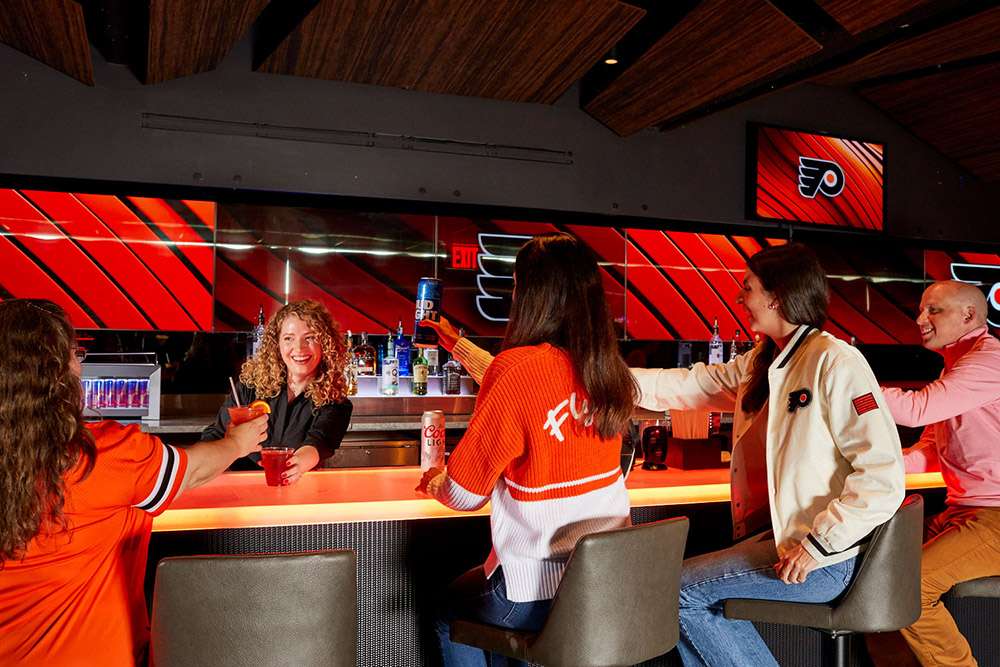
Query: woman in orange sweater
[543,443]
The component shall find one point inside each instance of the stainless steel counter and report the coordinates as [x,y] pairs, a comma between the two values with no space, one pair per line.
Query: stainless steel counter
[359,424]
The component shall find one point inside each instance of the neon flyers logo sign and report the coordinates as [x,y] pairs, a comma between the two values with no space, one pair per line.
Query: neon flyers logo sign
[987,278]
[817,175]
[496,274]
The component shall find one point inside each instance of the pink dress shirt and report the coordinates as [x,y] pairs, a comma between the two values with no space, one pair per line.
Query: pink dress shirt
[961,412]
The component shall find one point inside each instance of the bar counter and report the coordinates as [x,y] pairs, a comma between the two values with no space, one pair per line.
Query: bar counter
[242,500]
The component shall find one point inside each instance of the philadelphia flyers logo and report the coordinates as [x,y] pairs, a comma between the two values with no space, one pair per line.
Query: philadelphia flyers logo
[987,278]
[817,175]
[495,281]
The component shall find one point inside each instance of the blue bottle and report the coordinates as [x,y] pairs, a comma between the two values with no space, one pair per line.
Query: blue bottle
[402,344]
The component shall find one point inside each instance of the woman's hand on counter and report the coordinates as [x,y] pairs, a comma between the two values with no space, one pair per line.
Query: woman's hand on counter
[431,481]
[447,334]
[302,461]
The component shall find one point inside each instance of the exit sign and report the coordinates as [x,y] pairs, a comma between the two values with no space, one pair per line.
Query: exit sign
[464,256]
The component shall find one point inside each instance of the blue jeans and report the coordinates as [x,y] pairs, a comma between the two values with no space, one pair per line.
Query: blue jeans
[745,570]
[474,597]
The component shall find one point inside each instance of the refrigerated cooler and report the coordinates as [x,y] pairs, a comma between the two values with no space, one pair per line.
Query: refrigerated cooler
[121,386]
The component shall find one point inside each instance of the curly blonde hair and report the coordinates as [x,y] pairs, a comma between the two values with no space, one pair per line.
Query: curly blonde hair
[267,374]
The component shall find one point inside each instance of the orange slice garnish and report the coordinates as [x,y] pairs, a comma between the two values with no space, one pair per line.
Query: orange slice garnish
[260,406]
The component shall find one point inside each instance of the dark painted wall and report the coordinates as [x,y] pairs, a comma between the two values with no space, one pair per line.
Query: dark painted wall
[50,125]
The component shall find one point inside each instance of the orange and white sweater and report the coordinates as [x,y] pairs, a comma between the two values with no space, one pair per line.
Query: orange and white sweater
[532,452]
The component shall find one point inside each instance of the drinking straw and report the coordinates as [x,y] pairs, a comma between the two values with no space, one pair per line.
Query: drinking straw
[236,396]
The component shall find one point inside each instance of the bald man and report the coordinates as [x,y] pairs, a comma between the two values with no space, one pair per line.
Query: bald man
[961,415]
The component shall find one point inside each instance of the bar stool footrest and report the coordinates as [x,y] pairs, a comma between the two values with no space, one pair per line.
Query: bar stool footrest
[511,643]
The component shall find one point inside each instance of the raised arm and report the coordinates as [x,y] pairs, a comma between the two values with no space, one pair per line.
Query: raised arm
[701,387]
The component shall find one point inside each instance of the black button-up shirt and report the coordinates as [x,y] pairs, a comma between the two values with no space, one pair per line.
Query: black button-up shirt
[292,423]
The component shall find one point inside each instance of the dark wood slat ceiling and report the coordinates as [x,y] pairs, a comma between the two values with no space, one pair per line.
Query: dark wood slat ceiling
[53,31]
[957,112]
[721,46]
[975,36]
[516,50]
[860,15]
[191,36]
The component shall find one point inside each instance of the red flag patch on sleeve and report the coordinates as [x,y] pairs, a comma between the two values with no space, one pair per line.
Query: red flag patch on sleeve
[865,403]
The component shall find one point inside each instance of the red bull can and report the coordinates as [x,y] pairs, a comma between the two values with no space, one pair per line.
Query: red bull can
[88,393]
[121,393]
[432,440]
[106,393]
[132,393]
[143,393]
[428,307]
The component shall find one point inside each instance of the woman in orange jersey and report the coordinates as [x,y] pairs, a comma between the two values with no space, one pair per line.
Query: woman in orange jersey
[299,373]
[78,502]
[548,459]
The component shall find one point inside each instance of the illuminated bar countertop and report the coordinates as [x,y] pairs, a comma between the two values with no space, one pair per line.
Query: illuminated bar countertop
[242,500]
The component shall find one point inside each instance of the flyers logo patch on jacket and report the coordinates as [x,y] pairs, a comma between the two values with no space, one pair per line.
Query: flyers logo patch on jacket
[864,403]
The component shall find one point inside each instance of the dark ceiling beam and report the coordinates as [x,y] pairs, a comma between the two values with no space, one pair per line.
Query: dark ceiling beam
[956,111]
[52,31]
[971,37]
[516,50]
[720,47]
[861,15]
[192,36]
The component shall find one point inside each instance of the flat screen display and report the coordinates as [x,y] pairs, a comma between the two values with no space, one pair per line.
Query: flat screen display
[810,178]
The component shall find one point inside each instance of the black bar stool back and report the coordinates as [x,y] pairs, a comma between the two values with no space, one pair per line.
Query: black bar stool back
[221,611]
[884,595]
[606,611]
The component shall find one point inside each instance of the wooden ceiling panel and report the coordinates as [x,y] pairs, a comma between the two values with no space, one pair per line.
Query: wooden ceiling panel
[860,15]
[516,50]
[52,31]
[191,36]
[720,47]
[957,112]
[972,37]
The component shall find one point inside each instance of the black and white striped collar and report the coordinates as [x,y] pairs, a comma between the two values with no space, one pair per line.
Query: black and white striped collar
[786,355]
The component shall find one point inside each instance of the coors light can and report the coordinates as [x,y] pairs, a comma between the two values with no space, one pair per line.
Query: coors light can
[432,440]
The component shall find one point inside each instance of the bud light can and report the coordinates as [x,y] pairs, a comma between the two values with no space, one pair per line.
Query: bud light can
[432,440]
[428,307]
[132,393]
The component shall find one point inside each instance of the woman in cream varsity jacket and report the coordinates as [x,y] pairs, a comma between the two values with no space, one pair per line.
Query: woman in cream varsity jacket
[816,463]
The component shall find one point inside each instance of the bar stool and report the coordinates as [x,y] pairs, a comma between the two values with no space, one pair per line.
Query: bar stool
[604,613]
[286,609]
[884,595]
[986,587]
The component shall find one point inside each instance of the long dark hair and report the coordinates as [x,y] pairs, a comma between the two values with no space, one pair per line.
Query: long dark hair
[42,436]
[793,274]
[559,299]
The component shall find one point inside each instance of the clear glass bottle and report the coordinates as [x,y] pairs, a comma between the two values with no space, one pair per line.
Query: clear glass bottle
[451,377]
[716,352]
[420,369]
[736,347]
[433,357]
[402,343]
[258,332]
[364,356]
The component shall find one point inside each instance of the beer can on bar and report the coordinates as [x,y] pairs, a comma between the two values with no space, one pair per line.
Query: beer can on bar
[428,307]
[432,440]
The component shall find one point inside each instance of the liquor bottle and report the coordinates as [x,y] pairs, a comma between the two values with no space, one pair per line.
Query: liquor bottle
[433,357]
[451,377]
[420,374]
[736,347]
[715,346]
[364,356]
[402,350]
[390,376]
[350,369]
[390,345]
[258,332]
